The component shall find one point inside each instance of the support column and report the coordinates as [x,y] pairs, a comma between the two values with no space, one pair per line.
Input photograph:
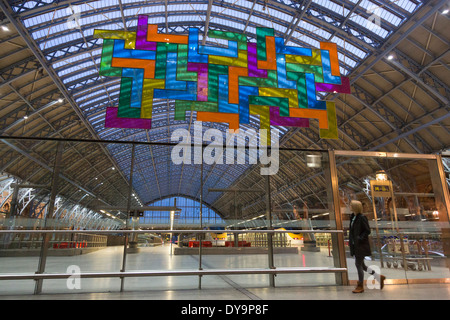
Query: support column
[125,244]
[51,207]
[269,227]
[442,199]
[337,239]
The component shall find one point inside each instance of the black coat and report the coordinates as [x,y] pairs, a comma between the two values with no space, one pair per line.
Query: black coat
[359,236]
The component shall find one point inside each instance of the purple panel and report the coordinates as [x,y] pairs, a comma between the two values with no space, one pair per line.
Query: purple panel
[112,121]
[202,82]
[277,120]
[253,70]
[344,87]
[141,35]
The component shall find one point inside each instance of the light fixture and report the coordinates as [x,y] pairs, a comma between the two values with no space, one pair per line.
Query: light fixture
[60,100]
[313,160]
[390,57]
[381,175]
[5,28]
[445,11]
[25,117]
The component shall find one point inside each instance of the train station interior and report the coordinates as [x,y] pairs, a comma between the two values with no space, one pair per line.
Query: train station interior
[212,149]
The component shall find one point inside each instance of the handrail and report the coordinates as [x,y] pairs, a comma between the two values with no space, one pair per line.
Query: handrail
[202,272]
[170,231]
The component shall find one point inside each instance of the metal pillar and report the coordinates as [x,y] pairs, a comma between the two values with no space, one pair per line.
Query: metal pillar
[442,198]
[125,243]
[269,227]
[51,207]
[201,227]
[339,258]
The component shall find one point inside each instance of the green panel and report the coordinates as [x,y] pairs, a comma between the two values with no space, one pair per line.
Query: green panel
[125,110]
[301,88]
[269,82]
[182,73]
[213,80]
[181,106]
[105,63]
[161,58]
[283,103]
[261,34]
[316,70]
[172,47]
[240,38]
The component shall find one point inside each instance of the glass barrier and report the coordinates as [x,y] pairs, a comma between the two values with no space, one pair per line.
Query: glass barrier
[220,217]
[302,201]
[404,201]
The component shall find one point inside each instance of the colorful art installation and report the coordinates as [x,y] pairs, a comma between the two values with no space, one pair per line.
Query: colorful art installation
[275,82]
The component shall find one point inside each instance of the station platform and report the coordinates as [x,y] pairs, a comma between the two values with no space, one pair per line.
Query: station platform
[251,287]
[390,292]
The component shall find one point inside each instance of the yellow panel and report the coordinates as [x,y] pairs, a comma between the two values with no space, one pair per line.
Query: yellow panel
[129,37]
[332,131]
[240,61]
[315,59]
[291,94]
[264,122]
[147,96]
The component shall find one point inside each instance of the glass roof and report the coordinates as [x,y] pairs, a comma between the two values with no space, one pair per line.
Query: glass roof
[358,27]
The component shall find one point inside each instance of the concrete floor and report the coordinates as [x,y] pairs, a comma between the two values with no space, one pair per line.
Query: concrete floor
[235,287]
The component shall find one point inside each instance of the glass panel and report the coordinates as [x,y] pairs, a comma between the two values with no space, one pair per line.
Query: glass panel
[85,175]
[23,208]
[238,203]
[403,200]
[302,200]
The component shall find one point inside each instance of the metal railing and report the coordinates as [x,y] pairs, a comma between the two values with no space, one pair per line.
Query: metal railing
[122,274]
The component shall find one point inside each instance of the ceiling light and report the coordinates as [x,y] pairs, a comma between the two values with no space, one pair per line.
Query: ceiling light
[5,28]
[445,11]
[60,100]
[391,57]
[381,175]
[25,117]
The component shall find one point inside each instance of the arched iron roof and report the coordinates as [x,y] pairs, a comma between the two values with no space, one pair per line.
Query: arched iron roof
[50,86]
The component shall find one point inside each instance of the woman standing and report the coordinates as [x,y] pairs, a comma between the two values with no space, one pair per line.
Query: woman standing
[359,244]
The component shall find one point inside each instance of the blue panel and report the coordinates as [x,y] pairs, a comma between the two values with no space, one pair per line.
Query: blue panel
[281,70]
[193,55]
[231,51]
[313,103]
[138,80]
[190,94]
[224,106]
[281,48]
[326,65]
[244,108]
[171,73]
[121,52]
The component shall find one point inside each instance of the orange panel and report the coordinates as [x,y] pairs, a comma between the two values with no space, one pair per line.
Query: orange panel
[322,115]
[334,60]
[147,65]
[153,35]
[231,118]
[233,83]
[271,62]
